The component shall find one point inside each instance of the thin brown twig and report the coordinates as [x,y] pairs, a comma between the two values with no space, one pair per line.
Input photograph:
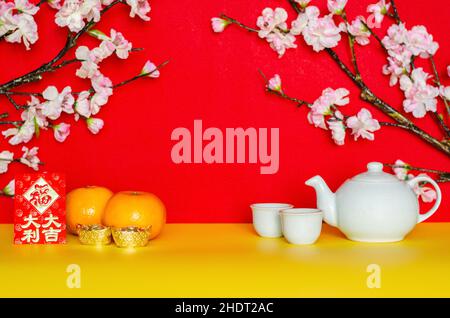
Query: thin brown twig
[282,94]
[396,16]
[438,82]
[374,35]
[231,20]
[11,93]
[11,122]
[351,41]
[13,102]
[444,176]
[383,123]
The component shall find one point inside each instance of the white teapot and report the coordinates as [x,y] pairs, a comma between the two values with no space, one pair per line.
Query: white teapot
[373,206]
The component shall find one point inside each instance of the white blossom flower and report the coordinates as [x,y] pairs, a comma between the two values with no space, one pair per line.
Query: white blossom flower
[218,24]
[23,134]
[61,131]
[337,128]
[6,157]
[116,42]
[379,10]
[89,62]
[363,125]
[33,113]
[150,69]
[94,125]
[280,42]
[270,20]
[57,102]
[359,30]
[83,105]
[139,8]
[274,83]
[23,28]
[322,33]
[30,158]
[419,96]
[74,13]
[336,6]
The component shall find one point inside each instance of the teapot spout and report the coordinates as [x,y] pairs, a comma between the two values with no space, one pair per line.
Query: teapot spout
[326,199]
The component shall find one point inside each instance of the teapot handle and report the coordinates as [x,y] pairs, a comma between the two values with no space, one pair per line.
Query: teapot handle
[416,180]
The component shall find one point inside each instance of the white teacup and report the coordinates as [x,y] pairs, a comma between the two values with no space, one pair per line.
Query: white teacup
[266,218]
[301,226]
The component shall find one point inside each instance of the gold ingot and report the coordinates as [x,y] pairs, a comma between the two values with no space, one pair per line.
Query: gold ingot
[94,235]
[131,236]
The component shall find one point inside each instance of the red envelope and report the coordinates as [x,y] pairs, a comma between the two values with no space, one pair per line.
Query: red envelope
[40,209]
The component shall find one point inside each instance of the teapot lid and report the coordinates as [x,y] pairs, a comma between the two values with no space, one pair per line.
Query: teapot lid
[375,173]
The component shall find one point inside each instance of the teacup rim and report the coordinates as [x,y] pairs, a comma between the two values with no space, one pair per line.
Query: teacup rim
[272,205]
[301,211]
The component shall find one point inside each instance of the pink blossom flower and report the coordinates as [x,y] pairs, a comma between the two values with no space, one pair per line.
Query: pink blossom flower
[275,83]
[5,10]
[322,33]
[419,96]
[336,6]
[23,134]
[299,24]
[57,102]
[322,106]
[363,125]
[280,42]
[22,28]
[359,30]
[33,113]
[427,194]
[24,6]
[6,157]
[379,10]
[150,69]
[103,51]
[445,92]
[73,13]
[396,37]
[401,170]
[83,105]
[303,3]
[30,158]
[116,43]
[399,63]
[94,125]
[420,42]
[89,65]
[61,131]
[90,10]
[140,8]
[270,20]
[9,189]
[337,128]
[218,24]
[102,86]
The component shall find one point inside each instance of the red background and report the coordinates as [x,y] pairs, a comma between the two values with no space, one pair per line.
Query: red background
[214,78]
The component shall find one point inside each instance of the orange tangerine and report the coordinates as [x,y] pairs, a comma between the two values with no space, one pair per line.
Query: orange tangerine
[135,209]
[85,206]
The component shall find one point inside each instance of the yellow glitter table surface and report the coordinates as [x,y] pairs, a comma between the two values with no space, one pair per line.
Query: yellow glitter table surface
[230,260]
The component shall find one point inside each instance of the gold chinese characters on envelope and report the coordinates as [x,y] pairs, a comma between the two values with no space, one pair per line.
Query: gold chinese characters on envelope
[39,209]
